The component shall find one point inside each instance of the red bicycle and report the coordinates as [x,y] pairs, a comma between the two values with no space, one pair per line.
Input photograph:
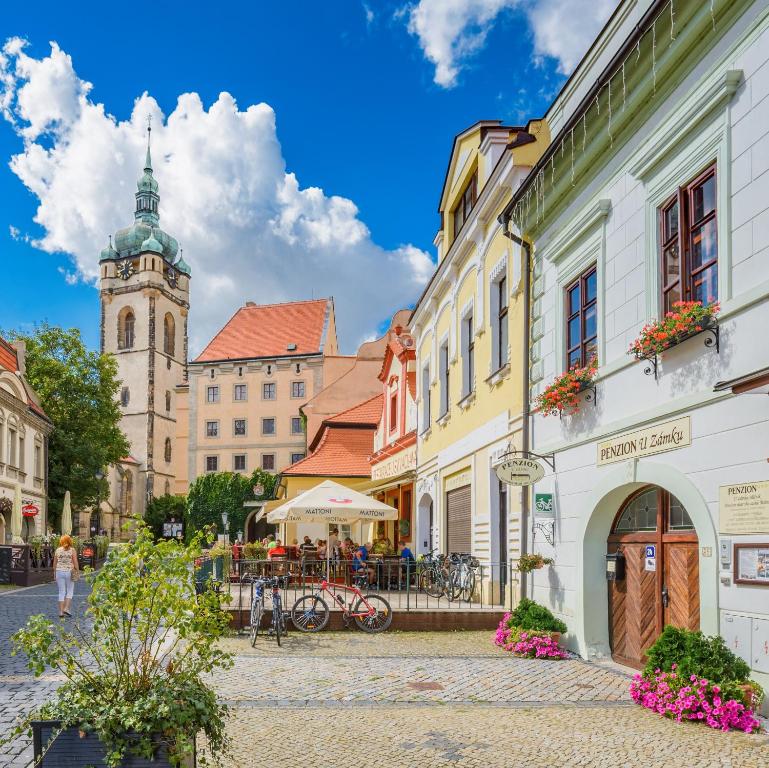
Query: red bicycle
[371,613]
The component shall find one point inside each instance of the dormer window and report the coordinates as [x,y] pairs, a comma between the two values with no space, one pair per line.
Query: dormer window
[466,204]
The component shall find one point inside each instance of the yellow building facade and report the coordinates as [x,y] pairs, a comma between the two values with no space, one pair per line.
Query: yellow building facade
[468,327]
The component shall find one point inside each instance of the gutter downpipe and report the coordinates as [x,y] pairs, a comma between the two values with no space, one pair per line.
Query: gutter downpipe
[504,219]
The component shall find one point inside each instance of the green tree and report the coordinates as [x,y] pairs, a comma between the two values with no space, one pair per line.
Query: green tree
[218,492]
[161,509]
[78,390]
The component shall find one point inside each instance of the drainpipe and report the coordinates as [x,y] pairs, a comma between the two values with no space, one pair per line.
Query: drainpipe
[525,435]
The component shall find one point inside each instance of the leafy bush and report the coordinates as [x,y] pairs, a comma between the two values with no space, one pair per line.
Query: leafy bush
[692,653]
[254,551]
[161,509]
[528,563]
[140,665]
[531,615]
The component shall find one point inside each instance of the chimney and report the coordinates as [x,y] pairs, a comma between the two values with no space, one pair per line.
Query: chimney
[250,303]
[21,356]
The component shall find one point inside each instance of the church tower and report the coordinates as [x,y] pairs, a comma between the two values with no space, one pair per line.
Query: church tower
[144,293]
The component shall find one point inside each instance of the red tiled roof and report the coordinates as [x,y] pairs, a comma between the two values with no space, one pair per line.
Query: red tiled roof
[367,412]
[267,330]
[342,452]
[8,359]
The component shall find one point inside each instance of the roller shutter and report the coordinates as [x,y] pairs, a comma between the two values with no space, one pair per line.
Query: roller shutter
[458,519]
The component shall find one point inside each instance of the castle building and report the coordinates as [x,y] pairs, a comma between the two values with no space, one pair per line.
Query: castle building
[144,293]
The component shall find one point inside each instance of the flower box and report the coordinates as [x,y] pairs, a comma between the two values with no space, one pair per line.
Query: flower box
[562,396]
[688,319]
[74,747]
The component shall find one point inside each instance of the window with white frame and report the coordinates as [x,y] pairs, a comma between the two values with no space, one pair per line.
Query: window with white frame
[426,416]
[239,427]
[297,389]
[443,372]
[240,393]
[212,394]
[498,307]
[468,355]
[269,390]
[212,429]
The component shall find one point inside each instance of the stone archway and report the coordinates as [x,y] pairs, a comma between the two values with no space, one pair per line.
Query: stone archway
[426,524]
[591,622]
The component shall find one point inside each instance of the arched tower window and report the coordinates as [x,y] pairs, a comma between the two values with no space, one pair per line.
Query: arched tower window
[168,487]
[125,397]
[168,450]
[168,400]
[126,328]
[169,334]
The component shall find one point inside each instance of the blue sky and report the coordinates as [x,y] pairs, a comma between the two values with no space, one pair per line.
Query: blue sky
[358,114]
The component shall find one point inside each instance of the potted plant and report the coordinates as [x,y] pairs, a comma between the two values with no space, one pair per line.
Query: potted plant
[687,319]
[562,396]
[531,630]
[134,685]
[689,676]
[532,562]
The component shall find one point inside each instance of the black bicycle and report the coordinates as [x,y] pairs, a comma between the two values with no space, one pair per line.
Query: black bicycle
[278,625]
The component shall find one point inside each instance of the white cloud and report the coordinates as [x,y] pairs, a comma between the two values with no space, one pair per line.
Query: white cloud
[451,31]
[248,228]
[369,14]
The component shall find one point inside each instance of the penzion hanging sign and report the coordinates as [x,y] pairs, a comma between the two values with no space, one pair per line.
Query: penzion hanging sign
[522,467]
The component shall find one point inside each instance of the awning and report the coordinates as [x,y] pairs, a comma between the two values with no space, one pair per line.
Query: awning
[330,502]
[756,382]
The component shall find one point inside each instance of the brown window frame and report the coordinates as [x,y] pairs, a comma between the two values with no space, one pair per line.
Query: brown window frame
[684,197]
[393,411]
[466,204]
[584,341]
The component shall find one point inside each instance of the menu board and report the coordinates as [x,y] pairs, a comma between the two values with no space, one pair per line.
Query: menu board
[751,564]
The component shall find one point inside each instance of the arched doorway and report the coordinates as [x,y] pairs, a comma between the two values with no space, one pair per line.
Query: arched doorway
[425,534]
[661,583]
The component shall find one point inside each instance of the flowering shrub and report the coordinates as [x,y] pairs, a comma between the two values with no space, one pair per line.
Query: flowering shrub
[694,698]
[527,643]
[561,395]
[687,317]
[528,563]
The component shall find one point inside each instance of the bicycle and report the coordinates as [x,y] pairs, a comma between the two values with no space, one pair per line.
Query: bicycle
[462,575]
[435,576]
[371,613]
[278,625]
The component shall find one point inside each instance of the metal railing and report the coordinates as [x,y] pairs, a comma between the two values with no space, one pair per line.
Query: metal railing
[407,585]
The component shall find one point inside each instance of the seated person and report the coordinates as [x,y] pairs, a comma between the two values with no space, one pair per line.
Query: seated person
[277,551]
[406,553]
[360,564]
[307,544]
[271,543]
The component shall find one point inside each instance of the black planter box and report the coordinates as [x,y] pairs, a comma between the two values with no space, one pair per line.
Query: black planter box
[69,750]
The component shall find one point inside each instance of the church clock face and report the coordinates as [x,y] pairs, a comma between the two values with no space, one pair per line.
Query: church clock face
[125,270]
[172,278]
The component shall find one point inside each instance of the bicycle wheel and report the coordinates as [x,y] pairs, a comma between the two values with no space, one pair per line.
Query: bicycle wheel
[379,620]
[310,613]
[451,583]
[256,620]
[277,618]
[431,582]
[468,585]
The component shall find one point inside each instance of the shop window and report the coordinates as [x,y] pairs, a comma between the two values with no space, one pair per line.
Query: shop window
[689,243]
[582,319]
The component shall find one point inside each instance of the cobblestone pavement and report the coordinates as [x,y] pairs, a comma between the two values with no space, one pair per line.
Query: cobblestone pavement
[19,690]
[438,699]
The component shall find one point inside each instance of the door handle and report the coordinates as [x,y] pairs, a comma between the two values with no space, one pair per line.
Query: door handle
[665,597]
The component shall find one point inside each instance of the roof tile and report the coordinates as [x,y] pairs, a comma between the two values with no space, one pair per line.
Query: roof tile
[342,452]
[367,412]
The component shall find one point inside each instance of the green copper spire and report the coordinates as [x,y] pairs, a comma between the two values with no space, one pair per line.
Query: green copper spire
[147,198]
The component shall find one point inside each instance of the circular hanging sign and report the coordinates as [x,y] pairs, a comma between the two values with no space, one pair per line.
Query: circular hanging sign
[30,510]
[520,471]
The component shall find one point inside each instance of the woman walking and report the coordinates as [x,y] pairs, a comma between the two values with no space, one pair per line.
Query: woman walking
[65,566]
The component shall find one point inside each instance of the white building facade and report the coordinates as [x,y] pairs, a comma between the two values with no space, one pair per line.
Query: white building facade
[655,189]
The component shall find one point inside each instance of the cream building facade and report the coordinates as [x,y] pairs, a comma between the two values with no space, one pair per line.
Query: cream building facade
[245,390]
[467,328]
[24,431]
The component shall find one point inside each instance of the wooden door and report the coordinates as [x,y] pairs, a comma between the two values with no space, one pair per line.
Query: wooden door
[656,592]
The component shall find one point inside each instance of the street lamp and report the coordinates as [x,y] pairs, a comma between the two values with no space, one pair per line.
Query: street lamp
[225,518]
[99,475]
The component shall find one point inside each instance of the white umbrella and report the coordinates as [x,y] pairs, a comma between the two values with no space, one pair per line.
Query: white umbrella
[66,515]
[330,502]
[16,516]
